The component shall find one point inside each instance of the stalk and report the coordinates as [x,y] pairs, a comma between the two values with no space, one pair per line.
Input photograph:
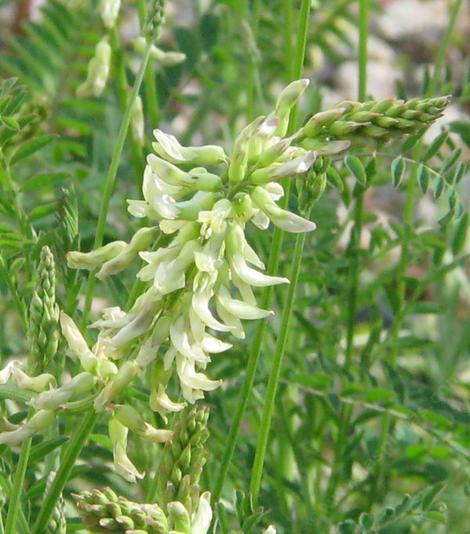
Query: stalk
[69,458]
[353,250]
[273,263]
[10,525]
[271,390]
[359,206]
[111,177]
[151,95]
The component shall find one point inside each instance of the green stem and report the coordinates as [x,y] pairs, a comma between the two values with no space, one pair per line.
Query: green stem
[272,268]
[271,390]
[441,53]
[359,205]
[61,478]
[354,252]
[15,499]
[122,92]
[111,177]
[152,107]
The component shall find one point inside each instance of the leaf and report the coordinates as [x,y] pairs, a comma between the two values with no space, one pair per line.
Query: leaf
[438,187]
[459,236]
[38,452]
[43,180]
[435,146]
[398,170]
[423,177]
[356,167]
[29,148]
[450,161]
[334,178]
[458,173]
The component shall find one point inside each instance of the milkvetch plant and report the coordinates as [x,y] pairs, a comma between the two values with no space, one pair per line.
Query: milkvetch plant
[181,235]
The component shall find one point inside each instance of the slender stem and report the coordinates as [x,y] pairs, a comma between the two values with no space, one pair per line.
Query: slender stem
[61,478]
[441,53]
[354,253]
[363,37]
[122,92]
[15,498]
[354,244]
[273,264]
[271,390]
[151,96]
[111,177]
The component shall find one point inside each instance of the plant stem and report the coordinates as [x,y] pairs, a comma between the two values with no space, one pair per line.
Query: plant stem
[441,53]
[273,264]
[61,478]
[122,92]
[354,253]
[355,242]
[151,96]
[111,178]
[15,499]
[271,390]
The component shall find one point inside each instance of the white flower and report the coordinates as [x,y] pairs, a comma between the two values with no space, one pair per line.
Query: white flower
[237,260]
[286,220]
[168,147]
[165,59]
[118,435]
[98,71]
[202,518]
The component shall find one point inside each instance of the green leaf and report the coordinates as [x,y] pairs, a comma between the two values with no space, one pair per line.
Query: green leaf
[43,180]
[356,167]
[438,186]
[450,161]
[435,146]
[459,235]
[334,178]
[398,170]
[29,148]
[423,177]
[38,452]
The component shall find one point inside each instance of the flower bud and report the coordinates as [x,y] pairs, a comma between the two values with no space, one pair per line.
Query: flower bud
[179,518]
[109,11]
[98,71]
[286,102]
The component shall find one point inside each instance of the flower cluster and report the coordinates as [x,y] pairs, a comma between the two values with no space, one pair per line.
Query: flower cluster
[200,283]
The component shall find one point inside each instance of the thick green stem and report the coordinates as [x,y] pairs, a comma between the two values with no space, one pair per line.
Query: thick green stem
[273,264]
[15,499]
[111,178]
[61,478]
[271,390]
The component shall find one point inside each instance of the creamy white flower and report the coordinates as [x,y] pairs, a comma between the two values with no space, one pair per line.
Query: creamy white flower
[77,343]
[39,422]
[168,147]
[286,220]
[98,71]
[95,258]
[118,435]
[202,518]
[165,59]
